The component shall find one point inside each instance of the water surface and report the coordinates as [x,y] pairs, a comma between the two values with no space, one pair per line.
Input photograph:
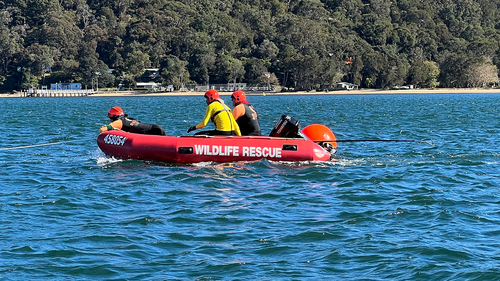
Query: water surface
[380,211]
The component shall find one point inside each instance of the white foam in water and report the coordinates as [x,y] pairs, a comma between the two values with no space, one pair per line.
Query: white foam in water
[348,162]
[203,164]
[105,160]
[102,159]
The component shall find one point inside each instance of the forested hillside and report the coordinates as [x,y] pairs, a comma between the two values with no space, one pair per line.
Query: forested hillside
[297,44]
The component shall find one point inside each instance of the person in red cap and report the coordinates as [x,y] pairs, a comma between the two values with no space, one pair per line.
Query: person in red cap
[121,121]
[220,114]
[245,115]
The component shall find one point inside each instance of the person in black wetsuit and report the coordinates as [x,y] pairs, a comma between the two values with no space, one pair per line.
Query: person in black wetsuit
[121,121]
[245,114]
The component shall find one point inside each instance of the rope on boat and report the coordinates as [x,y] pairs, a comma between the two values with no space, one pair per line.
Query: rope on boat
[431,142]
[28,146]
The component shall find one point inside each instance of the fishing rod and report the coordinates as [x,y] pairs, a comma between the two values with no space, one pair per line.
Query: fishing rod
[27,146]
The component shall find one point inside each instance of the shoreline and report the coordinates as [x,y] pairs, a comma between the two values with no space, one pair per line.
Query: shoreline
[343,92]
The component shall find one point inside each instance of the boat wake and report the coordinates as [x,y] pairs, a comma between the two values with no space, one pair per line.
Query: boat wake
[103,160]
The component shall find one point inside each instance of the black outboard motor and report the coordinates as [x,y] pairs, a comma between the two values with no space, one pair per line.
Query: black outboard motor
[286,127]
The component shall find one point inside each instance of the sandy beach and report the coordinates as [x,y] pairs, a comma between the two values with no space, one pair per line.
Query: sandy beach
[353,92]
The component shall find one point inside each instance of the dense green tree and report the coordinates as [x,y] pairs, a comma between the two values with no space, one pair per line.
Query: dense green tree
[136,62]
[254,68]
[174,72]
[40,59]
[355,71]
[202,66]
[59,32]
[88,68]
[305,72]
[431,73]
[9,46]
[37,12]
[28,80]
[304,43]
[375,30]
[267,50]
[454,70]
[236,70]
[375,65]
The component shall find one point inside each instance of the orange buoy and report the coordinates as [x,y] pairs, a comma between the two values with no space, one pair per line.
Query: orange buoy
[320,133]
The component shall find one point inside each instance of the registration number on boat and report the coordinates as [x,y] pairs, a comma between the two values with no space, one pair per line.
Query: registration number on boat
[115,140]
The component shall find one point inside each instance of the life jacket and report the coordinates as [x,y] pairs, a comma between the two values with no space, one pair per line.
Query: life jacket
[135,126]
[249,122]
[224,110]
[219,112]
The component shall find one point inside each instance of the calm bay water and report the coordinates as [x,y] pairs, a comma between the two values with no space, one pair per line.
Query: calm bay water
[380,211]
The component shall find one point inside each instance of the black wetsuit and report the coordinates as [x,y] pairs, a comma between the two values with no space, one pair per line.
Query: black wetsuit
[135,126]
[248,120]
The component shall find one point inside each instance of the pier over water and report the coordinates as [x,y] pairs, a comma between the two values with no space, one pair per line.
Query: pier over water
[58,93]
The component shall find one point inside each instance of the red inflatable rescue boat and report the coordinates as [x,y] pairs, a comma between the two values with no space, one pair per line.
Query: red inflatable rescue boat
[284,144]
[194,149]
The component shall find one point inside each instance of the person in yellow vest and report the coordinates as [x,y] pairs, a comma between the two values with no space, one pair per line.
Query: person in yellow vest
[220,114]
[121,121]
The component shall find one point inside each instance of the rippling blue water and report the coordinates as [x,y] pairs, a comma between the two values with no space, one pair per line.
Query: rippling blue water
[381,211]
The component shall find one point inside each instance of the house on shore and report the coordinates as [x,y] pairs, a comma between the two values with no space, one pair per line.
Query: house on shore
[150,86]
[346,86]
